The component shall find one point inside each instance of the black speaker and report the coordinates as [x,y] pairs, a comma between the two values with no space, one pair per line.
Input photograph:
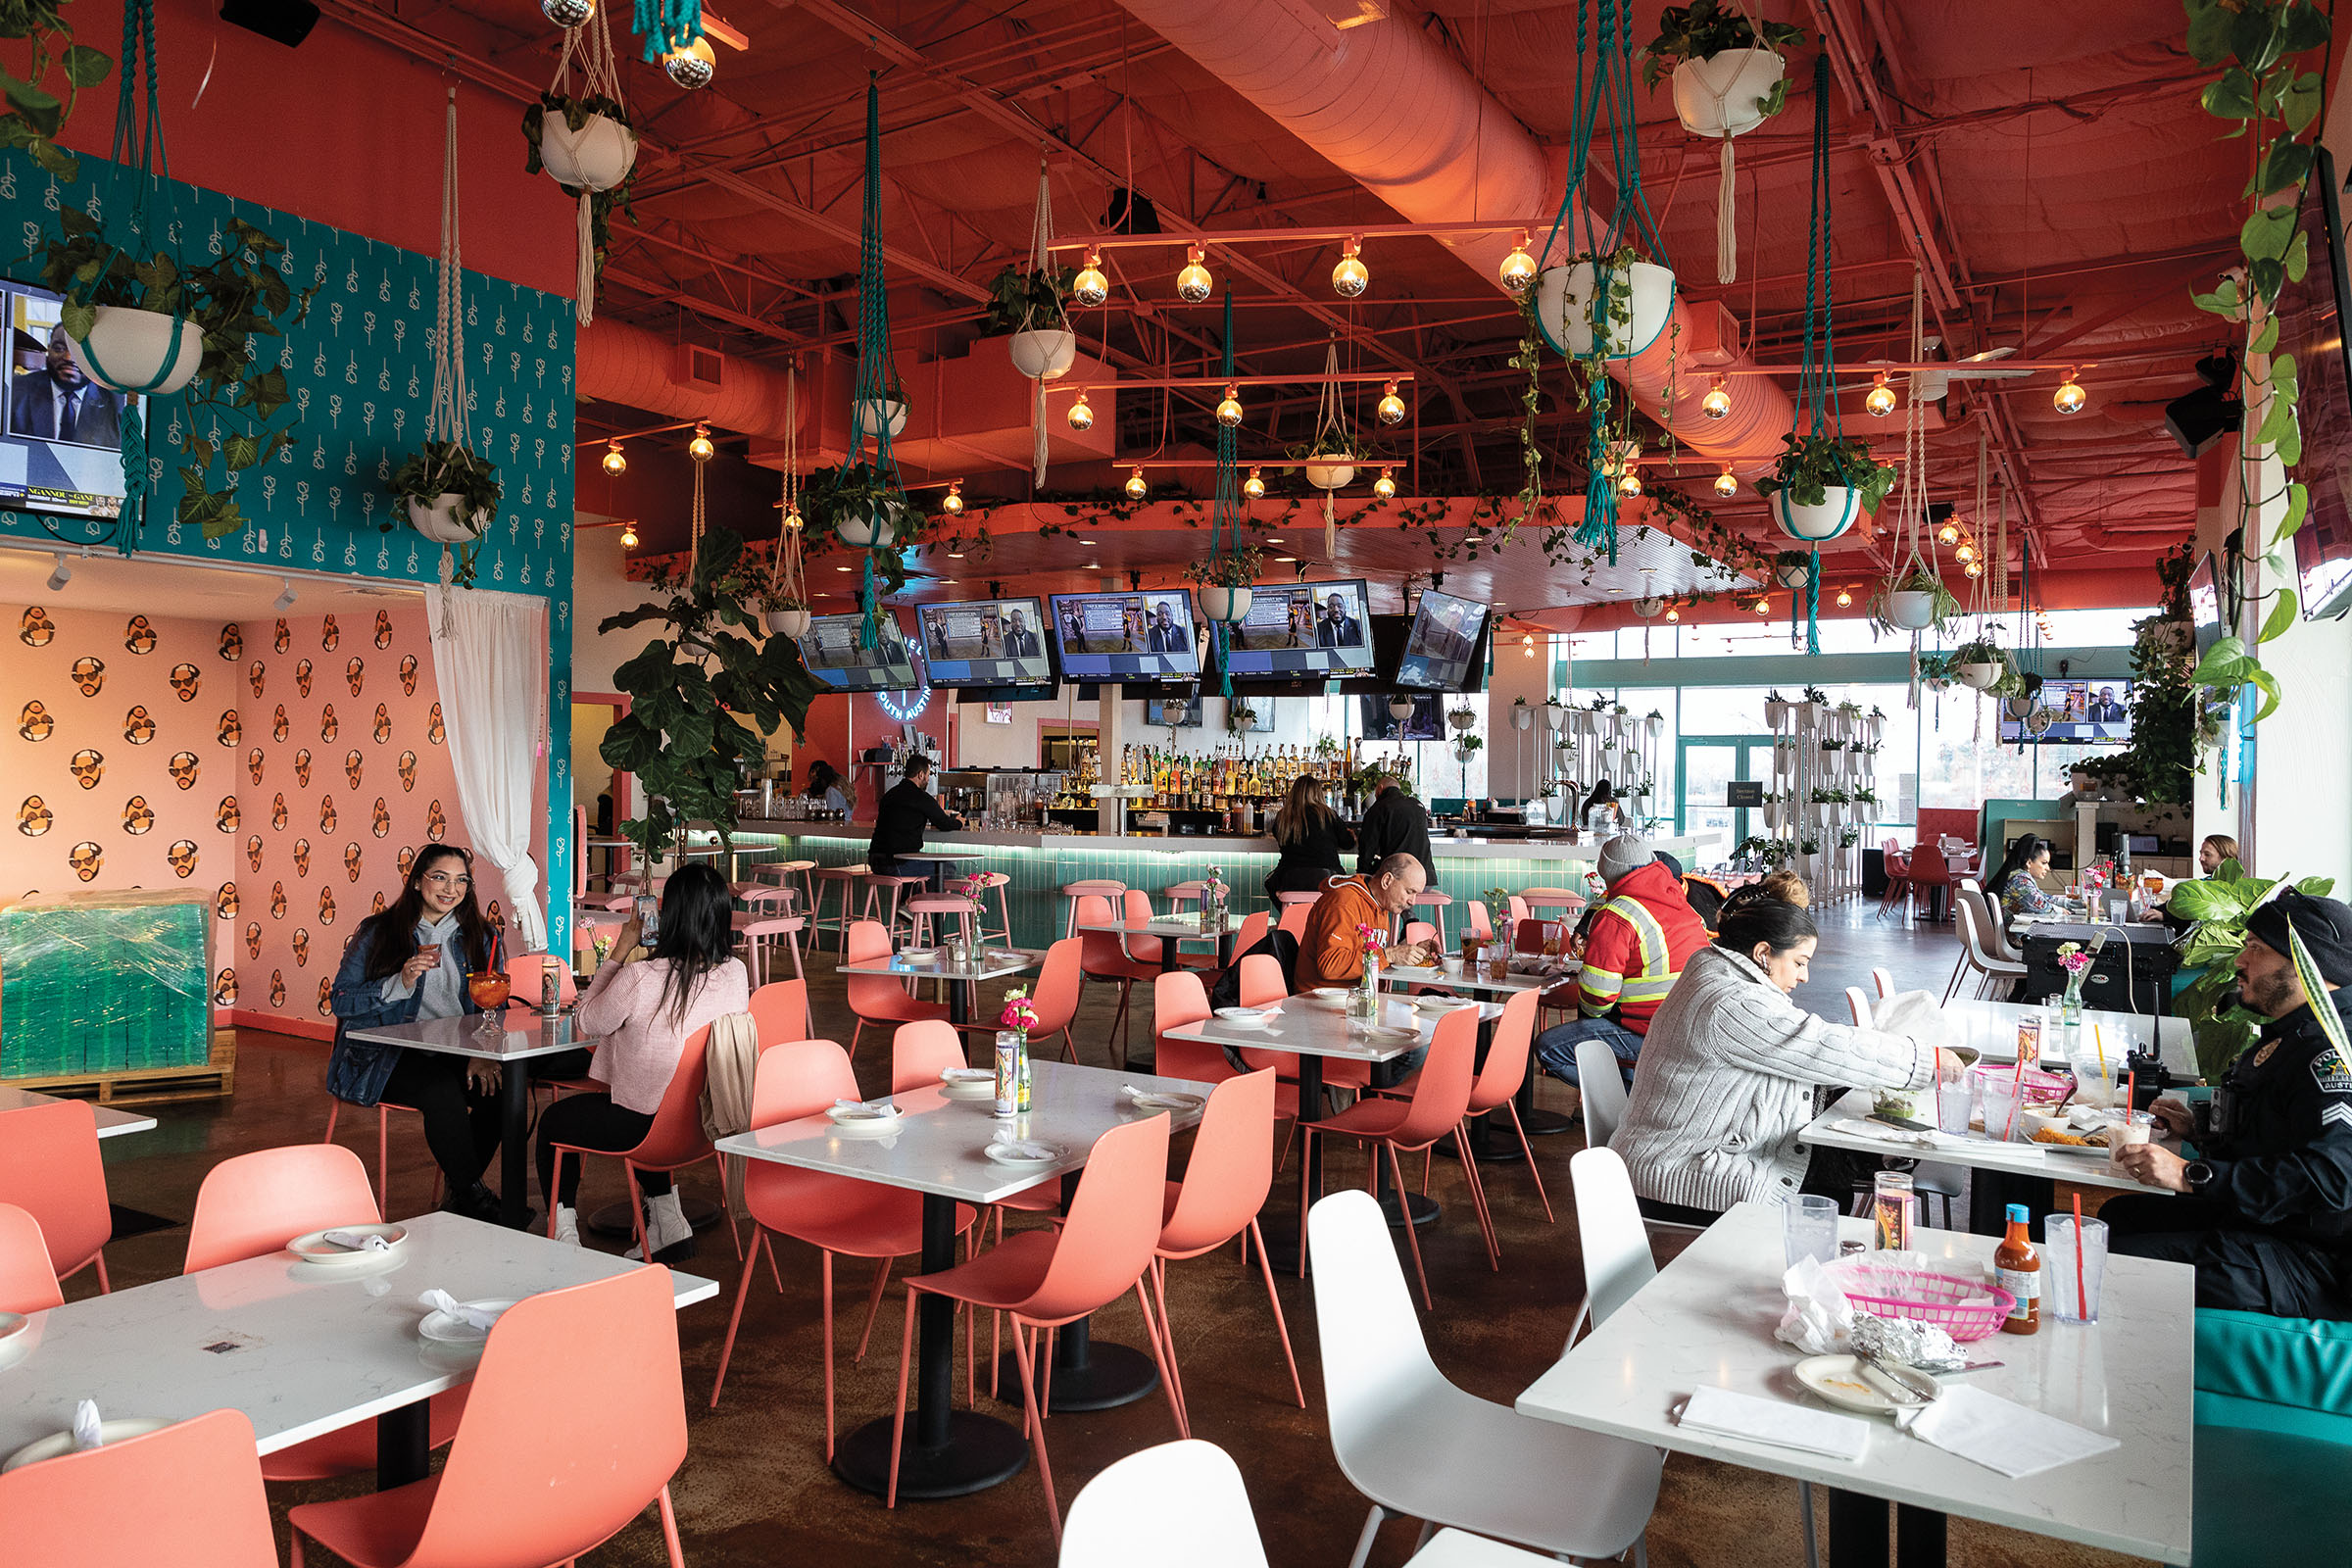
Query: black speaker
[286,22]
[2202,417]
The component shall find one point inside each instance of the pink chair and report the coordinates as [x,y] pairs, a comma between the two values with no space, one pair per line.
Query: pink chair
[1295,909]
[1135,907]
[674,1142]
[1898,876]
[835,1214]
[189,1495]
[1053,998]
[577,1421]
[923,910]
[524,972]
[759,934]
[1481,925]
[1093,887]
[251,1205]
[1177,999]
[1106,960]
[1433,898]
[781,1011]
[877,998]
[1496,1085]
[920,1054]
[49,1168]
[1046,1279]
[1252,930]
[27,1284]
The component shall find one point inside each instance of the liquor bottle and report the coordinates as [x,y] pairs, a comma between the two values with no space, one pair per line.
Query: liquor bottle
[2017,1269]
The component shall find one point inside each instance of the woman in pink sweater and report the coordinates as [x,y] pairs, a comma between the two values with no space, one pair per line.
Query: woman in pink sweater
[641,1014]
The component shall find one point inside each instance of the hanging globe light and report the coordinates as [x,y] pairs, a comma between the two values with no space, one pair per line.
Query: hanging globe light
[1880,402]
[1725,484]
[699,448]
[2070,396]
[628,537]
[1350,278]
[1948,535]
[1385,486]
[792,517]
[1966,553]
[952,502]
[1081,417]
[568,14]
[1717,403]
[692,66]
[1391,409]
[1518,271]
[1090,286]
[1674,611]
[617,462]
[1137,487]
[1629,484]
[1255,487]
[1845,596]
[1972,570]
[1763,607]
[1229,412]
[1194,283]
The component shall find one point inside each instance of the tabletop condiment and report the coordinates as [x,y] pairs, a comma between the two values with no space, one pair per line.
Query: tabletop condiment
[2017,1269]
[1891,1205]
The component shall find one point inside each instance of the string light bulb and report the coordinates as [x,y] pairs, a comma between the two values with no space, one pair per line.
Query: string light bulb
[1229,412]
[699,448]
[1137,486]
[1972,570]
[1350,277]
[1629,484]
[1880,402]
[1948,535]
[617,462]
[1385,486]
[1081,417]
[1674,611]
[1527,644]
[792,517]
[1966,553]
[692,66]
[1090,287]
[1717,403]
[1727,484]
[1255,487]
[1763,607]
[2070,396]
[1391,409]
[952,502]
[628,537]
[1194,283]
[1518,271]
[1845,596]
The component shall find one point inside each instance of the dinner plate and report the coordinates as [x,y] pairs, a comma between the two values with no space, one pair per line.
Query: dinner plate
[970,1088]
[917,954]
[849,1123]
[445,1329]
[314,1247]
[1439,1003]
[1245,1014]
[12,1324]
[1415,971]
[1328,997]
[969,1075]
[1165,1100]
[59,1443]
[1839,1379]
[1005,1157]
[1391,1034]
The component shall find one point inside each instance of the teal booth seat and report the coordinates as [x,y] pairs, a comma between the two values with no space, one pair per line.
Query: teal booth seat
[2274,1439]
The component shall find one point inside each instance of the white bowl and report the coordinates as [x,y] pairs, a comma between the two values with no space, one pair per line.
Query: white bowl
[314,1249]
[59,1443]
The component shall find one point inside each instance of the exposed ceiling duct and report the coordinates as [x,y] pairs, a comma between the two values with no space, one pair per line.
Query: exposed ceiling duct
[640,369]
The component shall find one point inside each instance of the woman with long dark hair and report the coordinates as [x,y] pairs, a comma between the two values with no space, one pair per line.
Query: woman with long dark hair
[2014,883]
[824,787]
[1309,836]
[1601,815]
[411,962]
[641,1014]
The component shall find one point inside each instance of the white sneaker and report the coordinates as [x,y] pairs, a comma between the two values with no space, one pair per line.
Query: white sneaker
[665,1227]
[567,1225]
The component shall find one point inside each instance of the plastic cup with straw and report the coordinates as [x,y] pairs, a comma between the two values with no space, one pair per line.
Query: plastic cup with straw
[2017,1097]
[2082,1294]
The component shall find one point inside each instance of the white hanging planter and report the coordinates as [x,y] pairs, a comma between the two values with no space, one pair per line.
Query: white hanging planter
[792,623]
[1655,724]
[1461,718]
[882,413]
[1224,603]
[441,524]
[1463,753]
[1911,610]
[1564,309]
[1720,96]
[2016,707]
[1330,473]
[1840,506]
[877,532]
[1791,575]
[133,346]
[1555,715]
[1045,353]
[1774,714]
[1400,708]
[596,157]
[1978,677]
[1523,718]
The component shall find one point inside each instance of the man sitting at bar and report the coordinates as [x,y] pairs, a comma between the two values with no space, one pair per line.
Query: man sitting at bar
[2267,1222]
[1394,824]
[1635,944]
[906,811]
[1332,952]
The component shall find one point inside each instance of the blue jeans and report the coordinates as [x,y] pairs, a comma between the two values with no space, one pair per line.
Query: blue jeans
[1555,1046]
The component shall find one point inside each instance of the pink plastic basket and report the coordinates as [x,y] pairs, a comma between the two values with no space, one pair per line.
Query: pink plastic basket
[1966,1310]
[2046,1088]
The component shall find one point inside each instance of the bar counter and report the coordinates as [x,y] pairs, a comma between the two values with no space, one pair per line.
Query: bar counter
[1040,864]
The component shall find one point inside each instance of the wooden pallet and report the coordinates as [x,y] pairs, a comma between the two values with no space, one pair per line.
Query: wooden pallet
[208,1080]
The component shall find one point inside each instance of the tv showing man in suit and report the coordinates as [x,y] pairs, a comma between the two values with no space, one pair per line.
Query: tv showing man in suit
[1302,629]
[1338,628]
[59,402]
[2105,709]
[1167,635]
[989,642]
[1139,637]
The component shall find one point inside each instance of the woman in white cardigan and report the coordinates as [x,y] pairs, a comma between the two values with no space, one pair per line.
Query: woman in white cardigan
[1730,1065]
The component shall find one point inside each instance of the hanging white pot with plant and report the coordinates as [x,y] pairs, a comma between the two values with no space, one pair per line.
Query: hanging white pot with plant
[1979,666]
[597,155]
[1043,353]
[1331,470]
[792,623]
[1224,603]
[1640,298]
[887,413]
[1731,93]
[583,137]
[1822,484]
[139,352]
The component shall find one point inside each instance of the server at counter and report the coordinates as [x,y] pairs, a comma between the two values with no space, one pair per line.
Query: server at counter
[1394,824]
[906,809]
[1309,836]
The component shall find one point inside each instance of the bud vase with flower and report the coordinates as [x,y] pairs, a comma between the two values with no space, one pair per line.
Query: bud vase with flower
[1365,1003]
[1012,1053]
[2077,964]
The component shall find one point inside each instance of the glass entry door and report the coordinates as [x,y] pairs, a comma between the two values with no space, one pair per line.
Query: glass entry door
[1708,764]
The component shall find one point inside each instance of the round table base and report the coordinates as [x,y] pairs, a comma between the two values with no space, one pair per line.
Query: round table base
[981,1451]
[1113,1375]
[1540,1123]
[613,1223]
[1425,1211]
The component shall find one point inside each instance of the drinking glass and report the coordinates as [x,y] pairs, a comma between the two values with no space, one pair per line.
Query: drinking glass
[489,988]
[2138,1127]
[2077,1301]
[1997,1093]
[2098,1065]
[1955,1098]
[1808,1229]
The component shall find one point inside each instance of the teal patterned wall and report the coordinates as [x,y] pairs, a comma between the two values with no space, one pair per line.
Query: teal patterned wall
[361,372]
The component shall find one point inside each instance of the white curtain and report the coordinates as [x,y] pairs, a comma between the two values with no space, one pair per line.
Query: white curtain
[490,663]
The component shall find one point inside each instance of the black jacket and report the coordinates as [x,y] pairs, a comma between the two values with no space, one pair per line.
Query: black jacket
[1307,863]
[1395,824]
[906,811]
[2282,1145]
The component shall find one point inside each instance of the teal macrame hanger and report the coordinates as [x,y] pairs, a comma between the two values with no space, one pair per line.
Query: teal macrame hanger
[667,25]
[1225,513]
[1817,376]
[870,400]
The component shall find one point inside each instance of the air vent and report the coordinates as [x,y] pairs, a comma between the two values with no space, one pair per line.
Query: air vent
[699,368]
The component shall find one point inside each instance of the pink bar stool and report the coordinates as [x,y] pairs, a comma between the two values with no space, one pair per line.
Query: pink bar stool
[993,882]
[844,877]
[1072,892]
[1179,893]
[783,871]
[1432,898]
[924,905]
[895,885]
[757,934]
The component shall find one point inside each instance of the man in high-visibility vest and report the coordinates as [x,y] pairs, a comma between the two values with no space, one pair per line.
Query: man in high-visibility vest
[1636,945]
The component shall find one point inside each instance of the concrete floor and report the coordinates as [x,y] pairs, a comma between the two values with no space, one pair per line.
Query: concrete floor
[755,1488]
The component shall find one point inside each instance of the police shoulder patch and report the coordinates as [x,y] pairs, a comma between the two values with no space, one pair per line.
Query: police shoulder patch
[2332,1071]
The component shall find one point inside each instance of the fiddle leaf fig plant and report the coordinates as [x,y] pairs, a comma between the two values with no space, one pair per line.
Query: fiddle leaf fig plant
[703,695]
[2222,1025]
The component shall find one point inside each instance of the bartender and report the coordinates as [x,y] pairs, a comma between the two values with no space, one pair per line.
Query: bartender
[2267,1219]
[1394,824]
[906,809]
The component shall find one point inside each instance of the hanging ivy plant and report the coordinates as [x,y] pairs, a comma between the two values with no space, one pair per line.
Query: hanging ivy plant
[30,114]
[870,504]
[1705,28]
[576,112]
[1813,463]
[1031,302]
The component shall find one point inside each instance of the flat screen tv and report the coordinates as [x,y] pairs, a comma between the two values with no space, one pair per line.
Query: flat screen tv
[830,649]
[62,450]
[2088,712]
[1426,723]
[1442,648]
[1175,713]
[2205,605]
[2311,317]
[1305,628]
[987,642]
[1128,638]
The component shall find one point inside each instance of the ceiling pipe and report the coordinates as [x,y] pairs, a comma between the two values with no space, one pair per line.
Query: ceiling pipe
[1389,105]
[629,366]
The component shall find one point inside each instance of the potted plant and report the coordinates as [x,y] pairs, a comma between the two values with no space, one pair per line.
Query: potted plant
[1401,707]
[1330,460]
[1821,483]
[2220,1024]
[1978,665]
[1521,716]
[1581,322]
[1654,722]
[1914,601]
[120,309]
[1776,708]
[31,116]
[1792,569]
[584,143]
[857,504]
[449,493]
[1462,717]
[1223,581]
[1816,702]
[1728,77]
[1465,746]
[1555,714]
[1027,308]
[886,412]
[783,612]
[1240,717]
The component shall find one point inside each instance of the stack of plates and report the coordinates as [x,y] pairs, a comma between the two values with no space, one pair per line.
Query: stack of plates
[314,1249]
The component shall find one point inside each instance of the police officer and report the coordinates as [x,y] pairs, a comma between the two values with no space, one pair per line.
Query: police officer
[2267,1215]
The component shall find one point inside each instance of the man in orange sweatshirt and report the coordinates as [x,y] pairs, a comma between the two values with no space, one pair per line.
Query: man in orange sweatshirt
[1332,952]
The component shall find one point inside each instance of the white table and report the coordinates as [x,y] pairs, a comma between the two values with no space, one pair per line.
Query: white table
[989,964]
[525,1035]
[1990,1028]
[112,1123]
[1172,929]
[301,1350]
[938,1151]
[1453,975]
[1708,1318]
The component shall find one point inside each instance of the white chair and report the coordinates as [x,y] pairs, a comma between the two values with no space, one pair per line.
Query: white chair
[1419,1447]
[1993,921]
[1993,973]
[1883,980]
[1192,1495]
[1859,1000]
[1601,1080]
[1457,1548]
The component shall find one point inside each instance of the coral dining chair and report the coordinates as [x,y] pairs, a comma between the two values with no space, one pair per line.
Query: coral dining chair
[49,1166]
[780,1010]
[674,1141]
[189,1495]
[1107,958]
[1178,1000]
[878,998]
[27,1284]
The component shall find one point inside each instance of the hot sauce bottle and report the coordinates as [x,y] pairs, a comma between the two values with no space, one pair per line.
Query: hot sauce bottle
[2017,1269]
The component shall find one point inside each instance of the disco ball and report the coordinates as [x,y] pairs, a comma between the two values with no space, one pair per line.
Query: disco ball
[568,13]
[693,65]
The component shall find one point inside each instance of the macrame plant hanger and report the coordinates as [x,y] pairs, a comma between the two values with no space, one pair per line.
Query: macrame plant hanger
[1225,512]
[1332,432]
[1817,378]
[792,575]
[1041,263]
[445,420]
[1611,87]
[1911,506]
[871,396]
[1726,177]
[590,46]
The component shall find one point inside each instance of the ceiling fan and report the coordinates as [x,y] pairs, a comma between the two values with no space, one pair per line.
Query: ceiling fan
[1931,386]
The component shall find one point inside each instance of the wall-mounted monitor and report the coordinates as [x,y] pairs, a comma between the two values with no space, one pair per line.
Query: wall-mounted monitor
[1174,713]
[1129,638]
[2205,603]
[1441,649]
[1302,629]
[831,649]
[62,448]
[2085,712]
[988,642]
[1426,723]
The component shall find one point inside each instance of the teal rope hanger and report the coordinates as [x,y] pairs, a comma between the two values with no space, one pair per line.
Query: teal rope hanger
[1817,375]
[875,384]
[667,25]
[1225,512]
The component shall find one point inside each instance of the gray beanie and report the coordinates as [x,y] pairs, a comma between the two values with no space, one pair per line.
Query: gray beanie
[1621,857]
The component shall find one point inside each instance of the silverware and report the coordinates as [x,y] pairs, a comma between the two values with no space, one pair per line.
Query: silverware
[1905,1386]
[1973,1366]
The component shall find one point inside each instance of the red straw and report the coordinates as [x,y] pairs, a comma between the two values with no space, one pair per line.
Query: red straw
[2017,1096]
[2130,1093]
[2082,1298]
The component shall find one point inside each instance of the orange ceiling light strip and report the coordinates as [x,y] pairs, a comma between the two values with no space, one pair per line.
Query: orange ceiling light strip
[722,32]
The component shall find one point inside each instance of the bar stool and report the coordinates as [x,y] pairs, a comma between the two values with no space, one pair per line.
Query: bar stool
[992,882]
[757,933]
[844,877]
[1182,893]
[895,884]
[1432,898]
[923,906]
[1538,901]
[783,871]
[765,898]
[1072,892]
[1295,909]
